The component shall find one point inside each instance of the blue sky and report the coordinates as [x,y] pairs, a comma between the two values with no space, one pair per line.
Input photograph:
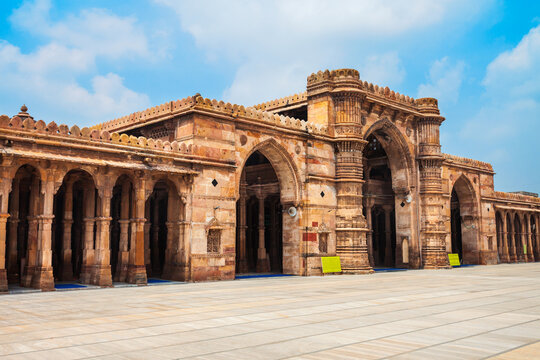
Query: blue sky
[85,62]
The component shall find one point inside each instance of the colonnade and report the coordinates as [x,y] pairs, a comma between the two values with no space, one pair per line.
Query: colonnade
[94,234]
[518,236]
[251,197]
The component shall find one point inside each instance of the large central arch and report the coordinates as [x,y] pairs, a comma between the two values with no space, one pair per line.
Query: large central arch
[397,216]
[288,188]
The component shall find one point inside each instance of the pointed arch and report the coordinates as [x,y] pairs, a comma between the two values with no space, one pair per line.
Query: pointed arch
[400,159]
[398,215]
[285,168]
[464,221]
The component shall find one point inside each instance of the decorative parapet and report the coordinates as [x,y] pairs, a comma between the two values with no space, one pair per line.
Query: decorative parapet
[167,108]
[198,102]
[344,75]
[91,134]
[279,103]
[333,75]
[468,162]
[252,113]
[516,197]
[386,93]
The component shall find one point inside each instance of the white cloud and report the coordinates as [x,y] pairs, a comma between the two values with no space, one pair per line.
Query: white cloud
[385,69]
[49,78]
[506,125]
[312,33]
[517,72]
[94,31]
[445,81]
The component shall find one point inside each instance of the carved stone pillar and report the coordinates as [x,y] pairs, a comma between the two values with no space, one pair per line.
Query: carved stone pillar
[171,250]
[42,277]
[5,188]
[101,274]
[528,239]
[263,265]
[506,251]
[3,273]
[242,227]
[369,221]
[388,256]
[351,226]
[136,269]
[512,240]
[89,207]
[147,243]
[12,261]
[123,242]
[123,251]
[67,222]
[154,238]
[31,248]
[537,238]
[432,228]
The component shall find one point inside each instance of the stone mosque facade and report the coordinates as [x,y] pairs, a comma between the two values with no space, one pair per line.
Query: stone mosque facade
[199,189]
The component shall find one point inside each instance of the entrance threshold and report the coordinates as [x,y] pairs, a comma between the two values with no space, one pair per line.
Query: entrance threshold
[261,275]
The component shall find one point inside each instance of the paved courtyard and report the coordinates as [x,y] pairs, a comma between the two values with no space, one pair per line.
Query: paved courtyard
[466,313]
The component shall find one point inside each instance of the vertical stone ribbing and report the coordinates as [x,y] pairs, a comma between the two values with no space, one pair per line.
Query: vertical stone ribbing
[432,229]
[351,226]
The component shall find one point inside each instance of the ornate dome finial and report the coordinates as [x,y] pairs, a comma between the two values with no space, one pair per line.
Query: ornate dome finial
[23,114]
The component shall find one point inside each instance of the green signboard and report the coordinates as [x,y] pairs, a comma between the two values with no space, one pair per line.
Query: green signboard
[330,264]
[454,259]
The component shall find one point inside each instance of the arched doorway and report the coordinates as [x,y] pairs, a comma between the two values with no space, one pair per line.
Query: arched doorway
[455,225]
[74,227]
[379,207]
[164,229]
[259,238]
[464,222]
[389,200]
[22,227]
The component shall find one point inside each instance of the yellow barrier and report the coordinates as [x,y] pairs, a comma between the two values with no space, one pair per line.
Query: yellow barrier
[330,264]
[454,259]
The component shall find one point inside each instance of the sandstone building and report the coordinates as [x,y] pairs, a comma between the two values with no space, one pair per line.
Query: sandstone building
[198,189]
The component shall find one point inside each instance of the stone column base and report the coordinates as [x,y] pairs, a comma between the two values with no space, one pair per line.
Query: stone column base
[137,274]
[101,276]
[43,279]
[3,280]
[355,263]
[435,260]
[26,278]
[263,265]
[86,274]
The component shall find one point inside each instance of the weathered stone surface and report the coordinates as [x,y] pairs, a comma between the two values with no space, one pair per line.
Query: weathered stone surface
[199,189]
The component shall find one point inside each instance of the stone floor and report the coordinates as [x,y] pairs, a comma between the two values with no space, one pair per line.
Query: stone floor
[467,313]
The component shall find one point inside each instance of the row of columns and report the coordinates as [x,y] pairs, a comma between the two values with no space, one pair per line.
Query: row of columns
[37,270]
[511,243]
[263,260]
